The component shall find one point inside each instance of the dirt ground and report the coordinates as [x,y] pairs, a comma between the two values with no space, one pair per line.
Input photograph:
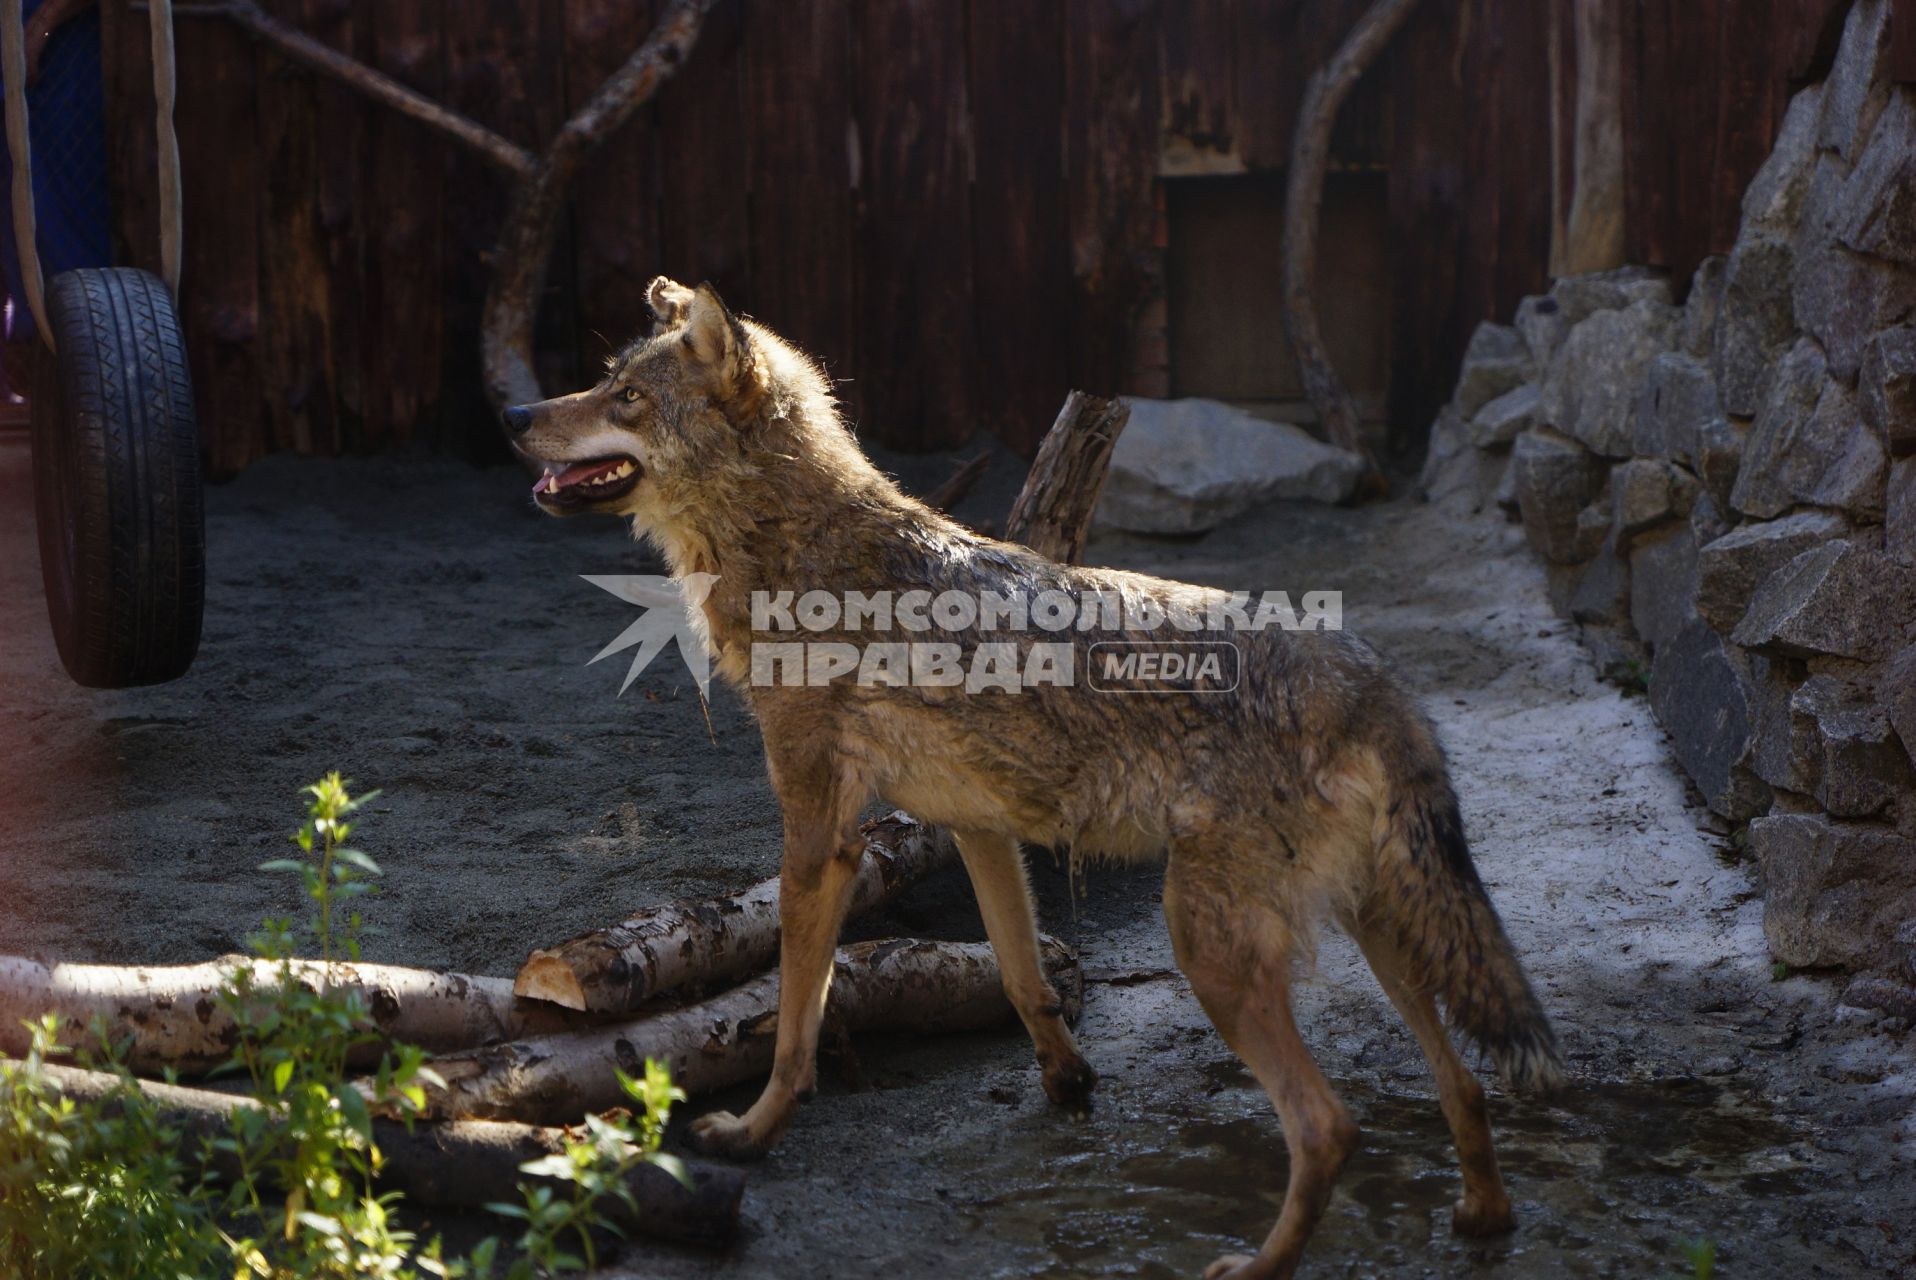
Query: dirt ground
[418,626]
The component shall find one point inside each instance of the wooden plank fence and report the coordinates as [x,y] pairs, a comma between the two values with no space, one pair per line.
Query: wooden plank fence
[958,205]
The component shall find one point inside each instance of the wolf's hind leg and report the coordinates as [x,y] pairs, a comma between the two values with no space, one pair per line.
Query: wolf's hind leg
[1238,960]
[1485,1207]
[997,870]
[815,881]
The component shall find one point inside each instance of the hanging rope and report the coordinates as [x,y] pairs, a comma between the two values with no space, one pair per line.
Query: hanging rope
[160,21]
[13,73]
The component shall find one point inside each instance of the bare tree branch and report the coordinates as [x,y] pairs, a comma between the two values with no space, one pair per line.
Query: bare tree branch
[1310,157]
[299,47]
[525,241]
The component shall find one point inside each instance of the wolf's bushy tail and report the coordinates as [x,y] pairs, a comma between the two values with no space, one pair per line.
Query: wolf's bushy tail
[1444,925]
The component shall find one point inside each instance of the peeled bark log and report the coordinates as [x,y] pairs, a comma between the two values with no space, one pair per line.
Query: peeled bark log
[1052,515]
[459,1166]
[617,970]
[171,1016]
[900,985]
[1304,191]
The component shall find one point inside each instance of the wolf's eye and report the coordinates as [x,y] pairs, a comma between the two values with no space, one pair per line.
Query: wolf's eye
[631,394]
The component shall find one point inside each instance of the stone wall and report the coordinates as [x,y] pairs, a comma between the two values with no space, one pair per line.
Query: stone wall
[1724,492]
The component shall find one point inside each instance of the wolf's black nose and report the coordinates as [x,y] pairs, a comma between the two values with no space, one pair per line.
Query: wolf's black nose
[517,419]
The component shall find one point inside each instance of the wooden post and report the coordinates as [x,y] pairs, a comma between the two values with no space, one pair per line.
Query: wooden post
[1593,234]
[1052,515]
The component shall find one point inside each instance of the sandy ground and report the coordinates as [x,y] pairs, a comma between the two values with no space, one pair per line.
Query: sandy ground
[418,626]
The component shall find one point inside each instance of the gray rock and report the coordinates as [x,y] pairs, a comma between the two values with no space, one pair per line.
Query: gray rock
[1754,320]
[1774,198]
[1898,692]
[1663,581]
[1853,472]
[1897,999]
[1826,456]
[1593,524]
[1887,385]
[1899,518]
[1677,400]
[1585,295]
[1706,519]
[1497,360]
[1543,325]
[1555,478]
[1842,740]
[1590,389]
[1843,298]
[1822,208]
[1505,497]
[1768,686]
[1877,214]
[1856,89]
[1835,892]
[1448,442]
[1719,457]
[1732,567]
[1698,329]
[1458,476]
[1184,466]
[1505,418]
[1646,492]
[1839,598]
[1780,430]
[1698,696]
[1602,595]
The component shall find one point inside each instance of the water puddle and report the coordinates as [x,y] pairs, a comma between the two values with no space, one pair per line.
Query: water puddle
[1610,1182]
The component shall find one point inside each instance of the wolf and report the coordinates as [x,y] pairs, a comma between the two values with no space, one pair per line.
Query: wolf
[1313,788]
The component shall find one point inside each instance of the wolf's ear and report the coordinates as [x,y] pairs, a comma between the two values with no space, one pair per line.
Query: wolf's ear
[669,301]
[714,338]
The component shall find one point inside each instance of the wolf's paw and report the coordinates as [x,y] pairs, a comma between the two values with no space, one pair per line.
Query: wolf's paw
[720,1133]
[1069,1083]
[1232,1266]
[1470,1217]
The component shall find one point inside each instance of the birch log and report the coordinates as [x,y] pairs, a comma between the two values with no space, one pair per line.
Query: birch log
[900,985]
[171,1016]
[616,970]
[459,1166]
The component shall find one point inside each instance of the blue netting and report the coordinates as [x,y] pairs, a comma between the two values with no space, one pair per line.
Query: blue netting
[67,115]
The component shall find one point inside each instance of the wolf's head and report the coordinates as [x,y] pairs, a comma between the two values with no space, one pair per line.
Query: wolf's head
[700,427]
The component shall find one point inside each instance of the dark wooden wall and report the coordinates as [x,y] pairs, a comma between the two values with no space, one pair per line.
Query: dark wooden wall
[1705,85]
[957,204]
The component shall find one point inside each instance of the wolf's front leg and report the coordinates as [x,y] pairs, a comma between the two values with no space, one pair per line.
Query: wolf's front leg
[821,859]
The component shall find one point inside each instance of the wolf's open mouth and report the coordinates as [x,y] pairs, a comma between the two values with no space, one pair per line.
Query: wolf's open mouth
[575,483]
